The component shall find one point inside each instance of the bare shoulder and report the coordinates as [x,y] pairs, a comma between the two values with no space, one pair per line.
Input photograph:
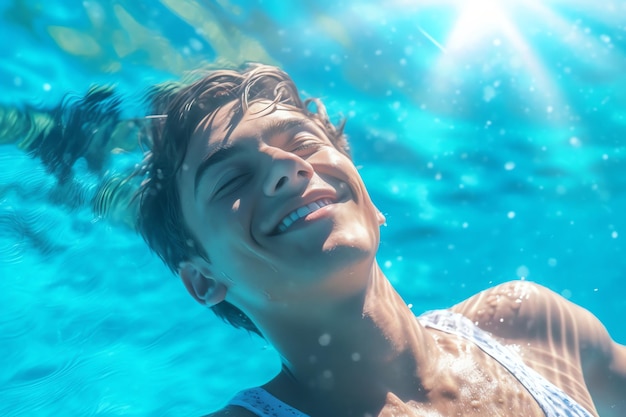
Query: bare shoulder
[529,314]
[231,411]
[525,310]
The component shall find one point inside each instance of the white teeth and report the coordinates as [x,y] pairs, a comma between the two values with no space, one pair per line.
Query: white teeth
[301,212]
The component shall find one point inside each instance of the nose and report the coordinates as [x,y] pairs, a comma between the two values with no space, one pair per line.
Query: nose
[287,173]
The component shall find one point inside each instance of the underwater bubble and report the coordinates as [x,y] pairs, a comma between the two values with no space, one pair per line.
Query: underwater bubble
[324,340]
[522,271]
[575,142]
[195,44]
[488,93]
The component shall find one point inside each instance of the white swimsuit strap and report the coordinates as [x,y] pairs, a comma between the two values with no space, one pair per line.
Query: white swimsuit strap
[552,400]
[264,404]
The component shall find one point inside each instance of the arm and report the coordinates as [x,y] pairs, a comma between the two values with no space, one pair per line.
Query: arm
[559,339]
[604,367]
[602,361]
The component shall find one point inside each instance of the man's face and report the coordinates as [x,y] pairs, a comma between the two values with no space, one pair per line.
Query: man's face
[280,211]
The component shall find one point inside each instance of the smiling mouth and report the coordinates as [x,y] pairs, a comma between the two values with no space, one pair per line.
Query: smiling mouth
[301,212]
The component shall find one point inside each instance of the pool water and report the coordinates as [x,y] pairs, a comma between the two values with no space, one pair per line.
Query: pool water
[492,135]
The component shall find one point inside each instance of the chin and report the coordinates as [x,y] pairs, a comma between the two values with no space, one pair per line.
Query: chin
[349,253]
[357,238]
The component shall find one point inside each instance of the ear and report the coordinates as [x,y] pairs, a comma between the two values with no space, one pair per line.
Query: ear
[201,285]
[381,218]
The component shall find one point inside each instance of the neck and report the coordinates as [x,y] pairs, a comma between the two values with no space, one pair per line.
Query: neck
[363,346]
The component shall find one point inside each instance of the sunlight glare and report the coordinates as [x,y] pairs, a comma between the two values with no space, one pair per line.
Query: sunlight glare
[477,20]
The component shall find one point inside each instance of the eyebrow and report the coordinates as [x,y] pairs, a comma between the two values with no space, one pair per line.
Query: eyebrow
[224,151]
[217,154]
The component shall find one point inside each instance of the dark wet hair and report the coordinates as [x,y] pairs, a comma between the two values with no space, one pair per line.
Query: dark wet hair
[177,112]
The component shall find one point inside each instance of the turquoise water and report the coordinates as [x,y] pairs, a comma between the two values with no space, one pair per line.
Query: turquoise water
[491,134]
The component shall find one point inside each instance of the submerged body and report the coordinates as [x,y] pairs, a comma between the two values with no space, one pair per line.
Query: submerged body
[562,342]
[254,201]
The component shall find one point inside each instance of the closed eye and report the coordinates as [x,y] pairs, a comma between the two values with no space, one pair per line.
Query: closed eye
[305,142]
[230,184]
[305,146]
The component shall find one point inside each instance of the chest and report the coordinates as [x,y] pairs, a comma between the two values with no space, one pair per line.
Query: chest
[468,383]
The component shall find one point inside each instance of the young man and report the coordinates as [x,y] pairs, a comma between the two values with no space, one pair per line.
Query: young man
[252,199]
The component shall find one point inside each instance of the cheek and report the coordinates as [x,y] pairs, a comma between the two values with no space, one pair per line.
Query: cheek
[335,159]
[228,239]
